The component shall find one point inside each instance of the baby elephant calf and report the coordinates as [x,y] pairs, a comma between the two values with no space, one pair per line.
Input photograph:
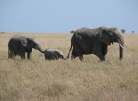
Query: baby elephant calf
[53,54]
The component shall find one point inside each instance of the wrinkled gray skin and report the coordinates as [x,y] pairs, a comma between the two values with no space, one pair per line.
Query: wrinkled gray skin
[20,45]
[95,41]
[53,54]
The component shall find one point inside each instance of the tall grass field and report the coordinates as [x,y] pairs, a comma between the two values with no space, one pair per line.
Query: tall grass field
[69,80]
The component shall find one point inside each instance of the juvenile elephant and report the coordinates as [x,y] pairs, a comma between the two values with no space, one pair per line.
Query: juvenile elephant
[20,45]
[53,54]
[95,41]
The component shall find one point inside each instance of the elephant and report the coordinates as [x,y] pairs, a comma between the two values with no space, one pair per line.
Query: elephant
[95,41]
[53,54]
[20,45]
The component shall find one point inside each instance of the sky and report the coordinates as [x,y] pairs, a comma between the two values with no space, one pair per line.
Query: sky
[66,15]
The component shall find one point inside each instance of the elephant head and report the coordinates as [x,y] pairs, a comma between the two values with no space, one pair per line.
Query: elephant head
[33,44]
[111,35]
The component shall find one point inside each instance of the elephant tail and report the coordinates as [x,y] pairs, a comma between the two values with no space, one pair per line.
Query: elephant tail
[74,40]
[69,51]
[9,53]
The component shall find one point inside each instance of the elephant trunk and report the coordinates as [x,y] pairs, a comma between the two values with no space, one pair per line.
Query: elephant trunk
[121,46]
[37,47]
[121,52]
[40,50]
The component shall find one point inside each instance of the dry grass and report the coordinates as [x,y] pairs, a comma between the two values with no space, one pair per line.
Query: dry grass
[91,80]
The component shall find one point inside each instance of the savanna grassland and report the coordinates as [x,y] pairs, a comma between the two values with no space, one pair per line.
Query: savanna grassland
[66,80]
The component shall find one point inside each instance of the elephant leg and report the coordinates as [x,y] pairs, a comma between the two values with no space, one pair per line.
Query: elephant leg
[81,57]
[28,55]
[101,57]
[56,57]
[73,56]
[22,55]
[103,52]
[61,57]
[10,54]
[104,49]
[100,53]
[77,52]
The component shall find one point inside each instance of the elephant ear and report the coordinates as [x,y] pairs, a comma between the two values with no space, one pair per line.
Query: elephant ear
[24,42]
[31,43]
[105,35]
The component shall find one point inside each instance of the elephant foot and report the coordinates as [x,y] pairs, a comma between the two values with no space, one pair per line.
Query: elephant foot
[102,59]
[73,57]
[81,58]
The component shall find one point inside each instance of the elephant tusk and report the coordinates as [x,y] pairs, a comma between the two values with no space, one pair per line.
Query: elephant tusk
[125,45]
[121,43]
[121,46]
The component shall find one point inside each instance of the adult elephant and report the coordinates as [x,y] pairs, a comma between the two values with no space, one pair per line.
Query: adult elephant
[95,41]
[19,45]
